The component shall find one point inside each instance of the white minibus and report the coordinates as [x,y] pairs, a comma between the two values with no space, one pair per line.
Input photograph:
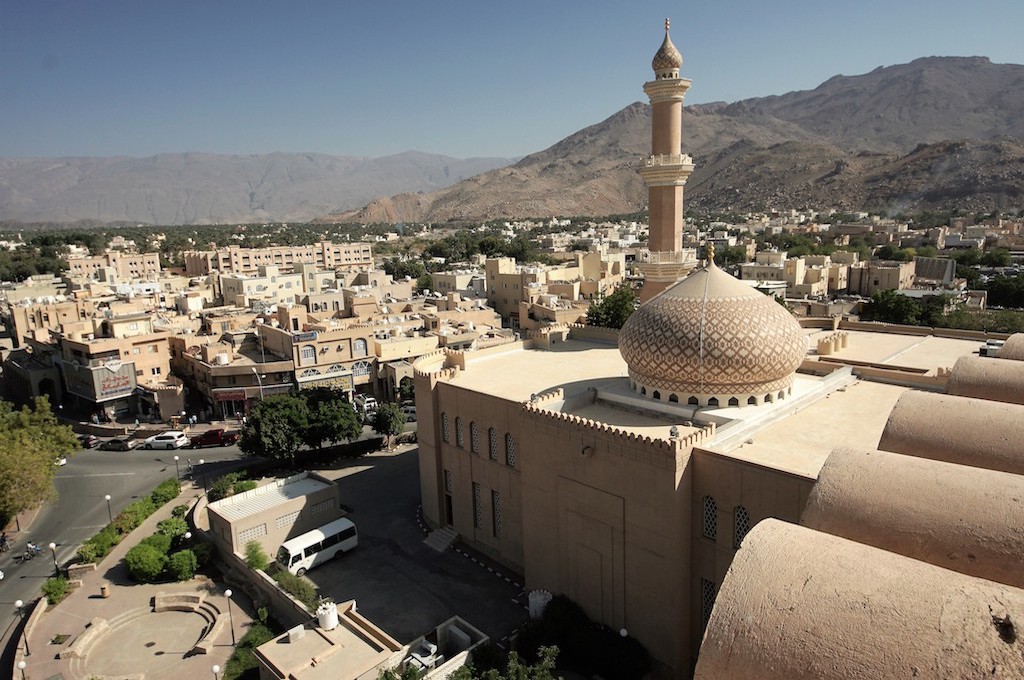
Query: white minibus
[306,551]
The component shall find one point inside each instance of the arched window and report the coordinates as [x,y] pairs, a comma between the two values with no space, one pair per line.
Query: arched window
[643,391]
[768,398]
[308,353]
[741,521]
[510,450]
[709,521]
[360,369]
[713,401]
[474,437]
[460,440]
[656,395]
[733,401]
[444,427]
[782,395]
[492,443]
[692,401]
[707,601]
[673,399]
[359,347]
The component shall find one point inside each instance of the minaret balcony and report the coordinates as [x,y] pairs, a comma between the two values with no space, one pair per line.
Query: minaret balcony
[666,169]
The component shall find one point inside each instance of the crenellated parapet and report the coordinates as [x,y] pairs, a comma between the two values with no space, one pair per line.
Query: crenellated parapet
[434,364]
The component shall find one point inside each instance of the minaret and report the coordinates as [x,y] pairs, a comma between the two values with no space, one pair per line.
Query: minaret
[665,172]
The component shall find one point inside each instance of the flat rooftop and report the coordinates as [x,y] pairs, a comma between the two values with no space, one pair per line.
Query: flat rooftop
[267,496]
[795,435]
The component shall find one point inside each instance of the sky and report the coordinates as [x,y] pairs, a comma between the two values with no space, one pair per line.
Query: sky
[464,79]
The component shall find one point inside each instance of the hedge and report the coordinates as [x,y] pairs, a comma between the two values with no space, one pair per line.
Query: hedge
[134,514]
[299,588]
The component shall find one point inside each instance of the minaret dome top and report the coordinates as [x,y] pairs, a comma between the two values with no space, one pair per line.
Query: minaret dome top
[668,60]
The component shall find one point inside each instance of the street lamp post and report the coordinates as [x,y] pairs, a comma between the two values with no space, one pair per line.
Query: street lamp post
[110,515]
[231,618]
[53,551]
[20,606]
[21,667]
[259,379]
[202,472]
[216,672]
[177,473]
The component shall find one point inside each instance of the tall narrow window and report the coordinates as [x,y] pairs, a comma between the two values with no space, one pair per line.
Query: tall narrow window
[707,601]
[460,440]
[478,511]
[709,525]
[492,443]
[474,437]
[510,450]
[742,522]
[444,427]
[496,513]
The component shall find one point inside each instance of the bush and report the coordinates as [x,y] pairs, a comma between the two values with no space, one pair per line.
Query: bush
[173,527]
[221,488]
[145,563]
[166,492]
[179,511]
[242,661]
[162,542]
[55,589]
[203,552]
[300,589]
[133,515]
[256,556]
[100,545]
[182,565]
[87,553]
[243,486]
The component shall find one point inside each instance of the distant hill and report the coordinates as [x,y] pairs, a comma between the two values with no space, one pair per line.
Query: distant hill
[939,132]
[200,188]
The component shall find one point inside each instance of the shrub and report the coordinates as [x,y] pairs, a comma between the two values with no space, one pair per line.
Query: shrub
[161,542]
[256,556]
[166,492]
[133,515]
[145,563]
[242,661]
[299,588]
[87,553]
[220,488]
[97,547]
[182,565]
[243,486]
[173,527]
[203,552]
[179,511]
[55,589]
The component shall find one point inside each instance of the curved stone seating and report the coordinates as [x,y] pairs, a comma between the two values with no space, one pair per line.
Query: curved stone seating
[80,647]
[180,602]
[209,638]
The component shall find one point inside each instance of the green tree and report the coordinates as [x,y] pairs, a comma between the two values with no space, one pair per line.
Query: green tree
[891,307]
[389,421]
[182,565]
[613,311]
[30,440]
[256,556]
[330,417]
[275,427]
[544,669]
[730,255]
[406,389]
[145,563]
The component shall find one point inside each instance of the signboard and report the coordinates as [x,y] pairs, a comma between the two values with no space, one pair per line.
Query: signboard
[229,395]
[114,380]
[341,382]
[308,336]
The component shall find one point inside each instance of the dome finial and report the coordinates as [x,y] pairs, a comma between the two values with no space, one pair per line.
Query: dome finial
[667,23]
[711,254]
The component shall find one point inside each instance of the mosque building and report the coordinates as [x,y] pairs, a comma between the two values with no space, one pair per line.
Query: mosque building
[647,472]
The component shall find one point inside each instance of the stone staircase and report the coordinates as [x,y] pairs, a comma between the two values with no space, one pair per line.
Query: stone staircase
[441,539]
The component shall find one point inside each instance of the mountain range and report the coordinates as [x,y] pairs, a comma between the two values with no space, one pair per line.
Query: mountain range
[937,133]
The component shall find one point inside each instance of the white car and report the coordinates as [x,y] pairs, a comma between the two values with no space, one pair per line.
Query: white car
[172,439]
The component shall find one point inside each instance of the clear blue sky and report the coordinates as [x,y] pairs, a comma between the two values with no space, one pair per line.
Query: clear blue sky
[369,78]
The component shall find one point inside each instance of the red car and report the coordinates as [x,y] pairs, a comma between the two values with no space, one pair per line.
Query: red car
[216,437]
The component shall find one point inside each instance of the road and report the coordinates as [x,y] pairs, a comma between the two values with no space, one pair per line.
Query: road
[81,510]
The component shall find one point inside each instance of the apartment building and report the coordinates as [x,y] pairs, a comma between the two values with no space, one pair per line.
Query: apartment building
[125,265]
[238,260]
[268,287]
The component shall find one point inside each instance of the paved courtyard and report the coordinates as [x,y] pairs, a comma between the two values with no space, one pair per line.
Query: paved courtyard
[399,583]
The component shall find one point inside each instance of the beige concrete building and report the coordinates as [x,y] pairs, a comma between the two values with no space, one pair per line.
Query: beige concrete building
[868,278]
[273,513]
[124,265]
[263,290]
[238,260]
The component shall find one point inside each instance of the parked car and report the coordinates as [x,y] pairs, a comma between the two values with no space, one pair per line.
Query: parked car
[217,437]
[119,444]
[410,413]
[88,441]
[172,439]
[60,460]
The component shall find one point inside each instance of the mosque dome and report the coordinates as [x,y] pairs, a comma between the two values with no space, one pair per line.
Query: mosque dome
[711,340]
[668,60]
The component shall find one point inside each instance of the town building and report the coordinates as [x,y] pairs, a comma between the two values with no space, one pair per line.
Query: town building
[238,260]
[125,265]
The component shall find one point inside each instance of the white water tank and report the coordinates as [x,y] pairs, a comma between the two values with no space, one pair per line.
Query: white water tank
[221,359]
[327,615]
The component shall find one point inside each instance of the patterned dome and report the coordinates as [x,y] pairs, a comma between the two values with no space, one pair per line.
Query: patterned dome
[668,57]
[708,337]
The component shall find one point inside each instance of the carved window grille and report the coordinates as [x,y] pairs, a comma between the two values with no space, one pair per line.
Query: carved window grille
[322,508]
[709,523]
[478,511]
[444,427]
[492,443]
[286,521]
[252,533]
[447,481]
[496,513]
[742,521]
[510,450]
[460,439]
[707,601]
[474,438]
